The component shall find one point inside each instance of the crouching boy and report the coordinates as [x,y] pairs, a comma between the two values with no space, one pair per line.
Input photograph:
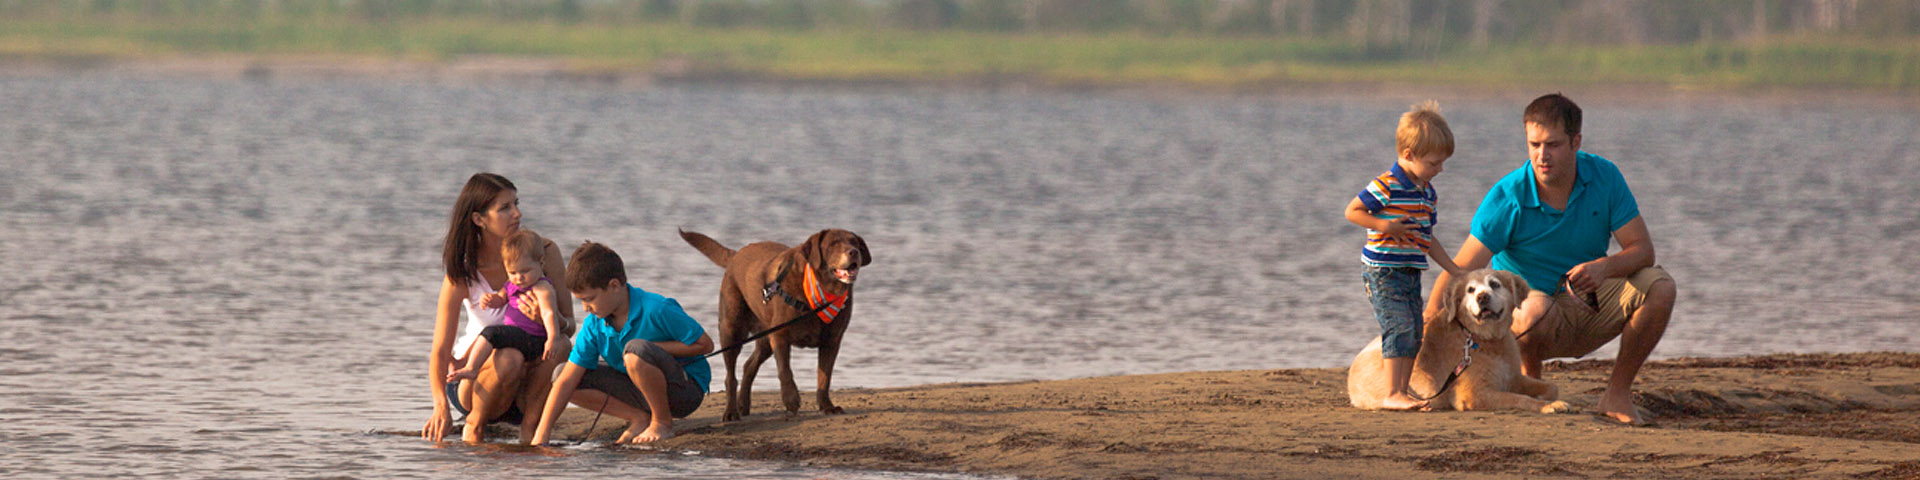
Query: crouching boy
[642,336]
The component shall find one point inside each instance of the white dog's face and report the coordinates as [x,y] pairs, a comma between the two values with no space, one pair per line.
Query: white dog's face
[1488,296]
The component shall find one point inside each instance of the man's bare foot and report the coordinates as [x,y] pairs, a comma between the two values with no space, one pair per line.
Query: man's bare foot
[1620,408]
[462,374]
[653,432]
[1401,402]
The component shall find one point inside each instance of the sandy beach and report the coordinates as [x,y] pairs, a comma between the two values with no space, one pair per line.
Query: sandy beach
[1777,416]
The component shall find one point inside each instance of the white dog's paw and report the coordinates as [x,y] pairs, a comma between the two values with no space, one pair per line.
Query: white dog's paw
[1557,407]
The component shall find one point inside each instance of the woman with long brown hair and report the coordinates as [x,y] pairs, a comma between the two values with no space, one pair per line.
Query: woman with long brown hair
[509,385]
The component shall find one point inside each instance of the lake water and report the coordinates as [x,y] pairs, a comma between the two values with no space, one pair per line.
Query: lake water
[233,278]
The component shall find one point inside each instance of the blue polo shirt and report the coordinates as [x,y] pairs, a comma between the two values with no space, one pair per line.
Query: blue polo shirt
[651,317]
[1541,243]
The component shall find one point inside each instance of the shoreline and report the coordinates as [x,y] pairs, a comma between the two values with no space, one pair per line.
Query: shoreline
[537,70]
[1784,415]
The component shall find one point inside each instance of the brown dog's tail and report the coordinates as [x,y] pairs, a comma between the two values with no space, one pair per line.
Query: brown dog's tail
[719,254]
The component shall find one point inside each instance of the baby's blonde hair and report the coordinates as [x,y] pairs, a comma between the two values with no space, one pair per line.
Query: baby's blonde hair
[1422,131]
[522,243]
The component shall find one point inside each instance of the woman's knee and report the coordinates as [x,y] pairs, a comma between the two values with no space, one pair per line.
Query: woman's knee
[508,364]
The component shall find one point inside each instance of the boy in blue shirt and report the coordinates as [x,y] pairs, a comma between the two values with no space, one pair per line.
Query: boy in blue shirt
[1397,208]
[642,335]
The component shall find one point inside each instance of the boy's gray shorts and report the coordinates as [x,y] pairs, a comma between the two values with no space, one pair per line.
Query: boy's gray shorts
[683,395]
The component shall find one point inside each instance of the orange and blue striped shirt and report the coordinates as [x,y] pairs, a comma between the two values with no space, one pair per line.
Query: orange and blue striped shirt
[1394,196]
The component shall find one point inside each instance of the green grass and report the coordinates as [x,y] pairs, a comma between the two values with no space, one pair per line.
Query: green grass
[1206,62]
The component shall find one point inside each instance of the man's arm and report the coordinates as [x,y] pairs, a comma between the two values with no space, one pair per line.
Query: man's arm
[1636,252]
[1472,256]
[557,399]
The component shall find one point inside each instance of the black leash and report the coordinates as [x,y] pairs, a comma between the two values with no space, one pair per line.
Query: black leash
[596,419]
[771,289]
[757,336]
[690,360]
[766,294]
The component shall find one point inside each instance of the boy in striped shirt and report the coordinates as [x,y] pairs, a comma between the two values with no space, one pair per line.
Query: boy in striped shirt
[1397,208]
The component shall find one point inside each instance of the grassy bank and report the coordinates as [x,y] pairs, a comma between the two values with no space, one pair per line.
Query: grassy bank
[1080,59]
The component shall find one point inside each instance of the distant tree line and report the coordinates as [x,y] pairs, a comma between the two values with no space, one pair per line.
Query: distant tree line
[1383,23]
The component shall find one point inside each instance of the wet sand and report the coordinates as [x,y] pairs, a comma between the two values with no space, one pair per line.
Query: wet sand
[1783,416]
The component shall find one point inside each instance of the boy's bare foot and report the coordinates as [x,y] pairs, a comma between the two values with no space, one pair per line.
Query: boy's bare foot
[462,374]
[655,431]
[1620,408]
[1401,402]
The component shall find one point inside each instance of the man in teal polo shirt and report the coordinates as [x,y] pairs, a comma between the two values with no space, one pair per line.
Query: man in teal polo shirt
[1550,222]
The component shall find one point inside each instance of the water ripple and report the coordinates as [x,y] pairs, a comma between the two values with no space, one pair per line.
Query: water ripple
[237,277]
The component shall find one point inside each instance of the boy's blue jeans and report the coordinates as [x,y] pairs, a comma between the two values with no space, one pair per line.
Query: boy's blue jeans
[1397,305]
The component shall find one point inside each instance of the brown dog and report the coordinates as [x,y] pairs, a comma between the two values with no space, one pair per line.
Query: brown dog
[767,284]
[1478,308]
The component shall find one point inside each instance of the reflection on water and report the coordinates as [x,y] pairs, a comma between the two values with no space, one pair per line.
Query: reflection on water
[236,279]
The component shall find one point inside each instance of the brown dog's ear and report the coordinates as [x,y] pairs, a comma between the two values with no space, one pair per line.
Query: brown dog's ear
[813,248]
[1517,285]
[866,257]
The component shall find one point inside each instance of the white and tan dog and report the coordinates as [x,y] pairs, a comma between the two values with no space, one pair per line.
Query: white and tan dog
[1476,308]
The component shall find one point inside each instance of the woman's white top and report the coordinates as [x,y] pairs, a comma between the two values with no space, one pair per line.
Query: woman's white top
[478,315]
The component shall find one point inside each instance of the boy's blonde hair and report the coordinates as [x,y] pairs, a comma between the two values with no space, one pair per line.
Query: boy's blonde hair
[523,243]
[1422,131]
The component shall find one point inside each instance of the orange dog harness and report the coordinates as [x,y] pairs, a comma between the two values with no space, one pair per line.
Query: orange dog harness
[817,297]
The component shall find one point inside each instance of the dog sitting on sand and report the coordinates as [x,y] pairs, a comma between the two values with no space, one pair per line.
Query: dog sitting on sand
[1476,313]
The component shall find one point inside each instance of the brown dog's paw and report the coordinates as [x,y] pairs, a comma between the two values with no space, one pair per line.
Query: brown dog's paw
[833,410]
[1557,407]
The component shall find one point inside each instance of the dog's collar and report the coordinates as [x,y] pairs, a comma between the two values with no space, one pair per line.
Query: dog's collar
[827,305]
[817,297]
[1473,342]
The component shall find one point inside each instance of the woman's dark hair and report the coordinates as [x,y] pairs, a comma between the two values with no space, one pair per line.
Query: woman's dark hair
[461,255]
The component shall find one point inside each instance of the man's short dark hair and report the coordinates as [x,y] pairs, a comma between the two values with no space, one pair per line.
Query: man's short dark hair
[1554,109]
[592,266]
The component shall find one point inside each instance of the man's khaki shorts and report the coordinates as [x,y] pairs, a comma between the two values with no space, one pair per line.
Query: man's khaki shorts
[1573,329]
